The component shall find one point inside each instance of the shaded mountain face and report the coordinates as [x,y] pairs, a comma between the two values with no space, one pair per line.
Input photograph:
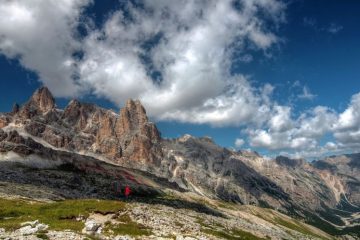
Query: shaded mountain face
[85,131]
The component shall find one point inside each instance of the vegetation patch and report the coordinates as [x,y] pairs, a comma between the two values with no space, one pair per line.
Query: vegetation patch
[126,227]
[58,215]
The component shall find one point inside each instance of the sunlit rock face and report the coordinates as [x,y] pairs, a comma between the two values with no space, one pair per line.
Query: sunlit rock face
[41,102]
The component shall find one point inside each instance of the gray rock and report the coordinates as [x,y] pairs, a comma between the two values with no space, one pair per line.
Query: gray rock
[91,226]
[27,230]
[30,228]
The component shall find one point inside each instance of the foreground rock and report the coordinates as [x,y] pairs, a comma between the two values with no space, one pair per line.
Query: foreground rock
[31,228]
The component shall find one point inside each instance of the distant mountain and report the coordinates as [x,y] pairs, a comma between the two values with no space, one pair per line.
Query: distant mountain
[93,140]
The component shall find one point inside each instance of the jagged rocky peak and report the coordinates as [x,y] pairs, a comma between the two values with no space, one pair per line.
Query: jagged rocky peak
[185,138]
[42,99]
[139,139]
[133,118]
[83,115]
[72,111]
[41,102]
[134,111]
[188,139]
[15,109]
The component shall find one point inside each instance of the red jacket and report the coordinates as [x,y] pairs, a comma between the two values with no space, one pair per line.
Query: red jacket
[127,191]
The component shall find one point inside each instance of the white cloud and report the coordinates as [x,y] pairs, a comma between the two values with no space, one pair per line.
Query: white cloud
[350,118]
[331,146]
[279,140]
[194,51]
[261,138]
[317,122]
[301,136]
[306,94]
[282,132]
[280,120]
[40,34]
[347,128]
[239,142]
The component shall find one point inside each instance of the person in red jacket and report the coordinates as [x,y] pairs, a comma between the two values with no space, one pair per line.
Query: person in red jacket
[127,191]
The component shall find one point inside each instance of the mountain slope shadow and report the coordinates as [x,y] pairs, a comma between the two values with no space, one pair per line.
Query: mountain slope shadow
[252,181]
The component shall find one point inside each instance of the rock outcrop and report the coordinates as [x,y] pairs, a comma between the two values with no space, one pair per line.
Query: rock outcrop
[41,102]
[139,139]
[4,121]
[43,99]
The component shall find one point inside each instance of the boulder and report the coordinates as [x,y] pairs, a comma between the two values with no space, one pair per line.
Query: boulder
[91,226]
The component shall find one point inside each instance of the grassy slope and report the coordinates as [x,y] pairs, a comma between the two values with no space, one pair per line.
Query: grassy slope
[62,215]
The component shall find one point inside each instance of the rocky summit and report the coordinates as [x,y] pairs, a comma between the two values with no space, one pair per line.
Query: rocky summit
[184,188]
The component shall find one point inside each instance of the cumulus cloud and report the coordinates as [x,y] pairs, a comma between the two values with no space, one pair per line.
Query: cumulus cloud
[175,56]
[301,136]
[282,132]
[350,118]
[41,35]
[280,120]
[239,142]
[192,44]
[347,128]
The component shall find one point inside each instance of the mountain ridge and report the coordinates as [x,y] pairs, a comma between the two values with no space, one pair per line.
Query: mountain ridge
[292,186]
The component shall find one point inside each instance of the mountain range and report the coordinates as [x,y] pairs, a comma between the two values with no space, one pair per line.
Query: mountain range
[85,151]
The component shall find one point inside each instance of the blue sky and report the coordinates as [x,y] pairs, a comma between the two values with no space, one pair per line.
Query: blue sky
[305,53]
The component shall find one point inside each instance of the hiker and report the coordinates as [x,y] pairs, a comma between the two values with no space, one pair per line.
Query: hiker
[127,191]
